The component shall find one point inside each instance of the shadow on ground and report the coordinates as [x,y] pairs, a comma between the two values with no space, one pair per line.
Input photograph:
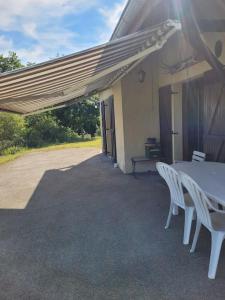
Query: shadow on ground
[90,232]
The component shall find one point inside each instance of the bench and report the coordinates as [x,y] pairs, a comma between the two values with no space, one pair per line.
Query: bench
[143,159]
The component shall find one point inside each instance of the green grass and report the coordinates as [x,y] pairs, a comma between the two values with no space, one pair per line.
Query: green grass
[94,143]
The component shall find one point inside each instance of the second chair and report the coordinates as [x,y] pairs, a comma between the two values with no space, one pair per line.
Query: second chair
[177,198]
[214,222]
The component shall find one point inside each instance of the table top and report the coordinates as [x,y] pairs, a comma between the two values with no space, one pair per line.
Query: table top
[209,175]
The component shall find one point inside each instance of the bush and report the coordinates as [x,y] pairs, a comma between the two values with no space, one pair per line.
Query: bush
[41,130]
[12,131]
[82,117]
[44,129]
[99,131]
[11,150]
[35,131]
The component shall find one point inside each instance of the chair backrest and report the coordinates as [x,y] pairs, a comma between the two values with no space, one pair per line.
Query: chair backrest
[198,156]
[173,181]
[199,198]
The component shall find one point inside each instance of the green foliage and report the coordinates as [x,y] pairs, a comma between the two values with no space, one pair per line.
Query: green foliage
[79,122]
[82,117]
[10,62]
[44,129]
[12,131]
[11,150]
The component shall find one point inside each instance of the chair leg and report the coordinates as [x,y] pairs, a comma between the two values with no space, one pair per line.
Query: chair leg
[217,240]
[189,212]
[169,216]
[175,210]
[197,231]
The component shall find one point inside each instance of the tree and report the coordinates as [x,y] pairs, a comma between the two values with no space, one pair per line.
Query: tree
[44,128]
[12,131]
[66,125]
[10,62]
[82,117]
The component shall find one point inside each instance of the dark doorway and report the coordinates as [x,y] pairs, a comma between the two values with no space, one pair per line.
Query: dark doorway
[214,118]
[103,123]
[165,122]
[192,117]
[108,128]
[204,117]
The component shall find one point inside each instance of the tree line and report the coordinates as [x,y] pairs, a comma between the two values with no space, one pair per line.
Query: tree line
[79,121]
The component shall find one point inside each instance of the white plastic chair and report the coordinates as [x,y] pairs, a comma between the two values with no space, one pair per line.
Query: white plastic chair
[177,198]
[214,222]
[198,156]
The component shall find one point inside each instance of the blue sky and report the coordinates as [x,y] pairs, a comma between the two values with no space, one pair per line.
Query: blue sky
[42,29]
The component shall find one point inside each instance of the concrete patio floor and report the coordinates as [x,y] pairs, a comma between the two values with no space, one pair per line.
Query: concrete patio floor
[72,227]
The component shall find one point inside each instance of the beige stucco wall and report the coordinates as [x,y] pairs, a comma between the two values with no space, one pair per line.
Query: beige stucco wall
[176,50]
[104,95]
[119,124]
[136,112]
[190,73]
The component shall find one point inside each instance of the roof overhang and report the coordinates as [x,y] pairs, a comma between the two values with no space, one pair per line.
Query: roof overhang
[133,16]
[60,81]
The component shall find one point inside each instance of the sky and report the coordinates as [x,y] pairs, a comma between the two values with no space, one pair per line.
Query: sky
[39,30]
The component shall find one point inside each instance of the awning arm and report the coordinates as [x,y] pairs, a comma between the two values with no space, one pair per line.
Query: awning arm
[192,31]
[159,45]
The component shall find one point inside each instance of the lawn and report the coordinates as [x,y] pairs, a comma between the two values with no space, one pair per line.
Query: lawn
[95,143]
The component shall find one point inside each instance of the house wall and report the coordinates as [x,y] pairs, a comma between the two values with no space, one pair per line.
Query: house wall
[137,104]
[137,112]
[177,50]
[119,124]
[170,55]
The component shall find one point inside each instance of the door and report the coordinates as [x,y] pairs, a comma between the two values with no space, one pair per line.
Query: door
[108,128]
[204,118]
[192,96]
[111,130]
[165,114]
[214,118]
[103,123]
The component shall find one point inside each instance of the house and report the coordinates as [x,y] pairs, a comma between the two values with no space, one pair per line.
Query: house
[181,101]
[161,75]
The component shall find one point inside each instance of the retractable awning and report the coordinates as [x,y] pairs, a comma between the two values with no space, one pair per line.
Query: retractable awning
[60,81]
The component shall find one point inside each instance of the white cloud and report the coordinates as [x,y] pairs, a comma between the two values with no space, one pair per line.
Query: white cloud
[29,29]
[111,17]
[40,20]
[5,44]
[13,13]
[32,54]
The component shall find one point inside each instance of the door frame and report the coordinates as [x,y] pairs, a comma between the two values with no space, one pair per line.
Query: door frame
[108,128]
[165,120]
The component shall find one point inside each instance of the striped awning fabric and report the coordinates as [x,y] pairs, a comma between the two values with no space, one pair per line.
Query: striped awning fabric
[62,80]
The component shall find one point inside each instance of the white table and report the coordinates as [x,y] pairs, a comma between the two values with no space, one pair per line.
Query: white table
[209,175]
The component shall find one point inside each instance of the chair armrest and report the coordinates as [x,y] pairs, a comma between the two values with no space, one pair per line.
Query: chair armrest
[211,206]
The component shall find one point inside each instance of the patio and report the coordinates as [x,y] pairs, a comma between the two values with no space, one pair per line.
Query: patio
[72,227]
